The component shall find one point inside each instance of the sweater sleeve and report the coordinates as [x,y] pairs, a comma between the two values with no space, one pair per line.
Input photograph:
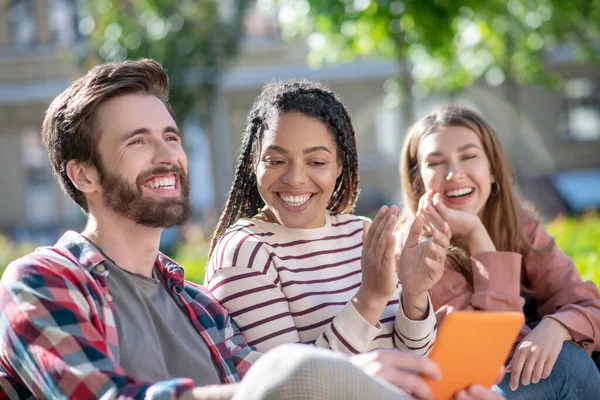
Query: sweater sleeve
[497,281]
[559,291]
[412,336]
[260,309]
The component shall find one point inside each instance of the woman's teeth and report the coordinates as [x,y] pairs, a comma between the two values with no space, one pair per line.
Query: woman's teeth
[295,201]
[459,192]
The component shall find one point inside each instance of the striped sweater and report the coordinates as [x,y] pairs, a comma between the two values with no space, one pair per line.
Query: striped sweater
[283,285]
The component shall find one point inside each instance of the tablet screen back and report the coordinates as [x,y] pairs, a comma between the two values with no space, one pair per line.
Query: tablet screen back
[471,347]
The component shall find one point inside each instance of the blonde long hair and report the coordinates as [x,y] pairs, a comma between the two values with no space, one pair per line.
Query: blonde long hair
[503,212]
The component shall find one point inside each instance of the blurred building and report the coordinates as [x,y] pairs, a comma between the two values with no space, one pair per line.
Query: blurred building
[553,137]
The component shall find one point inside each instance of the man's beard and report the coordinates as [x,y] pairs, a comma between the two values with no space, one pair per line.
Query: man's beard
[157,212]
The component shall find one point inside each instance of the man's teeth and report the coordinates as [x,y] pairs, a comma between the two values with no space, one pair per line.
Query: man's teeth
[459,192]
[295,201]
[167,182]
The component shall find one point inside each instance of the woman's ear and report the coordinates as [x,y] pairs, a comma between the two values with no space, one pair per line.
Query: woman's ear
[339,170]
[84,176]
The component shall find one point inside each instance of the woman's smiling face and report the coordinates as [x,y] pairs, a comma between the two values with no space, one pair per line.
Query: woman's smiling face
[452,162]
[297,170]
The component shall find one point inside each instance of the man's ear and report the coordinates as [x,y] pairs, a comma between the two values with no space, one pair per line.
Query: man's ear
[83,175]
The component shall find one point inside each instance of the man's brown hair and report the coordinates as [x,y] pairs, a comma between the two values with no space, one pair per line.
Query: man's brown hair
[70,130]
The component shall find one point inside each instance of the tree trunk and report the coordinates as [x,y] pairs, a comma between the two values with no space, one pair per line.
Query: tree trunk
[511,93]
[222,154]
[405,85]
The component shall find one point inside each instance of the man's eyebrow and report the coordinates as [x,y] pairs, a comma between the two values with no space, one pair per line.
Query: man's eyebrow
[143,131]
[316,148]
[278,149]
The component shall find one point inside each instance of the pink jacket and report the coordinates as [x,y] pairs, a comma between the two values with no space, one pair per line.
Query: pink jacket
[551,278]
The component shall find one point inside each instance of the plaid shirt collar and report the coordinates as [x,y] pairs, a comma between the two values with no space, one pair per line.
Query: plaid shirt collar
[91,258]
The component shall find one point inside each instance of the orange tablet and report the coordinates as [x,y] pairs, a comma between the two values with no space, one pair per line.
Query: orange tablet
[471,347]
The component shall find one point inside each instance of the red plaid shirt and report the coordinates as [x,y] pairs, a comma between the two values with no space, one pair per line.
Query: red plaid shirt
[58,334]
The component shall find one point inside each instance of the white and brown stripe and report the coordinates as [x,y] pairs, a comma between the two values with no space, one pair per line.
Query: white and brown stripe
[285,285]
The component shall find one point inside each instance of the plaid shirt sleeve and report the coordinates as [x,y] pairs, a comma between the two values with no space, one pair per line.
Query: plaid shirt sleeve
[53,337]
[241,356]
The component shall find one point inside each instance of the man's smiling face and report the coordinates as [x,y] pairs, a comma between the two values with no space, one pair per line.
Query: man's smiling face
[143,171]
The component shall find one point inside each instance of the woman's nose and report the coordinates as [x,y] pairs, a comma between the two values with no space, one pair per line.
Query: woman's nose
[454,172]
[294,175]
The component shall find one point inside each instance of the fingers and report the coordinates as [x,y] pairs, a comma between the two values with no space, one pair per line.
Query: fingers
[405,371]
[422,201]
[549,366]
[447,231]
[389,255]
[414,234]
[419,364]
[407,381]
[440,206]
[518,362]
[535,365]
[538,370]
[427,211]
[436,252]
[532,360]
[442,238]
[386,241]
[366,227]
[434,218]
[373,227]
[477,392]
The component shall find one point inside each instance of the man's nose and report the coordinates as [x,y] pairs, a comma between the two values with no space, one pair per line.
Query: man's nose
[164,154]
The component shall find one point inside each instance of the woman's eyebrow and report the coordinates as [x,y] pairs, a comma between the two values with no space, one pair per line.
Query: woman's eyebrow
[316,148]
[467,146]
[278,149]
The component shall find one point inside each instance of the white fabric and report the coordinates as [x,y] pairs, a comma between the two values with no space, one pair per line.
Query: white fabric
[295,372]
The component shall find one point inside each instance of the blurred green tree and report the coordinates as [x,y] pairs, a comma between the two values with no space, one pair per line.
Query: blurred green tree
[193,39]
[446,45]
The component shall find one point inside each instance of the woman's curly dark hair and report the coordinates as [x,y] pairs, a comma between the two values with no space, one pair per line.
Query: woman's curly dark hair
[314,100]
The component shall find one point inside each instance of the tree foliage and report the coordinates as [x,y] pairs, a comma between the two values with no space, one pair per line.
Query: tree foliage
[192,39]
[449,44]
[580,239]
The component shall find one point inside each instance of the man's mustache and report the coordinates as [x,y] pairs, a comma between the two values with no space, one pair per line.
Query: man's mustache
[174,169]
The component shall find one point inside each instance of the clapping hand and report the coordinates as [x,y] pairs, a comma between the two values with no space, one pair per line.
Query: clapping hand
[421,262]
[378,265]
